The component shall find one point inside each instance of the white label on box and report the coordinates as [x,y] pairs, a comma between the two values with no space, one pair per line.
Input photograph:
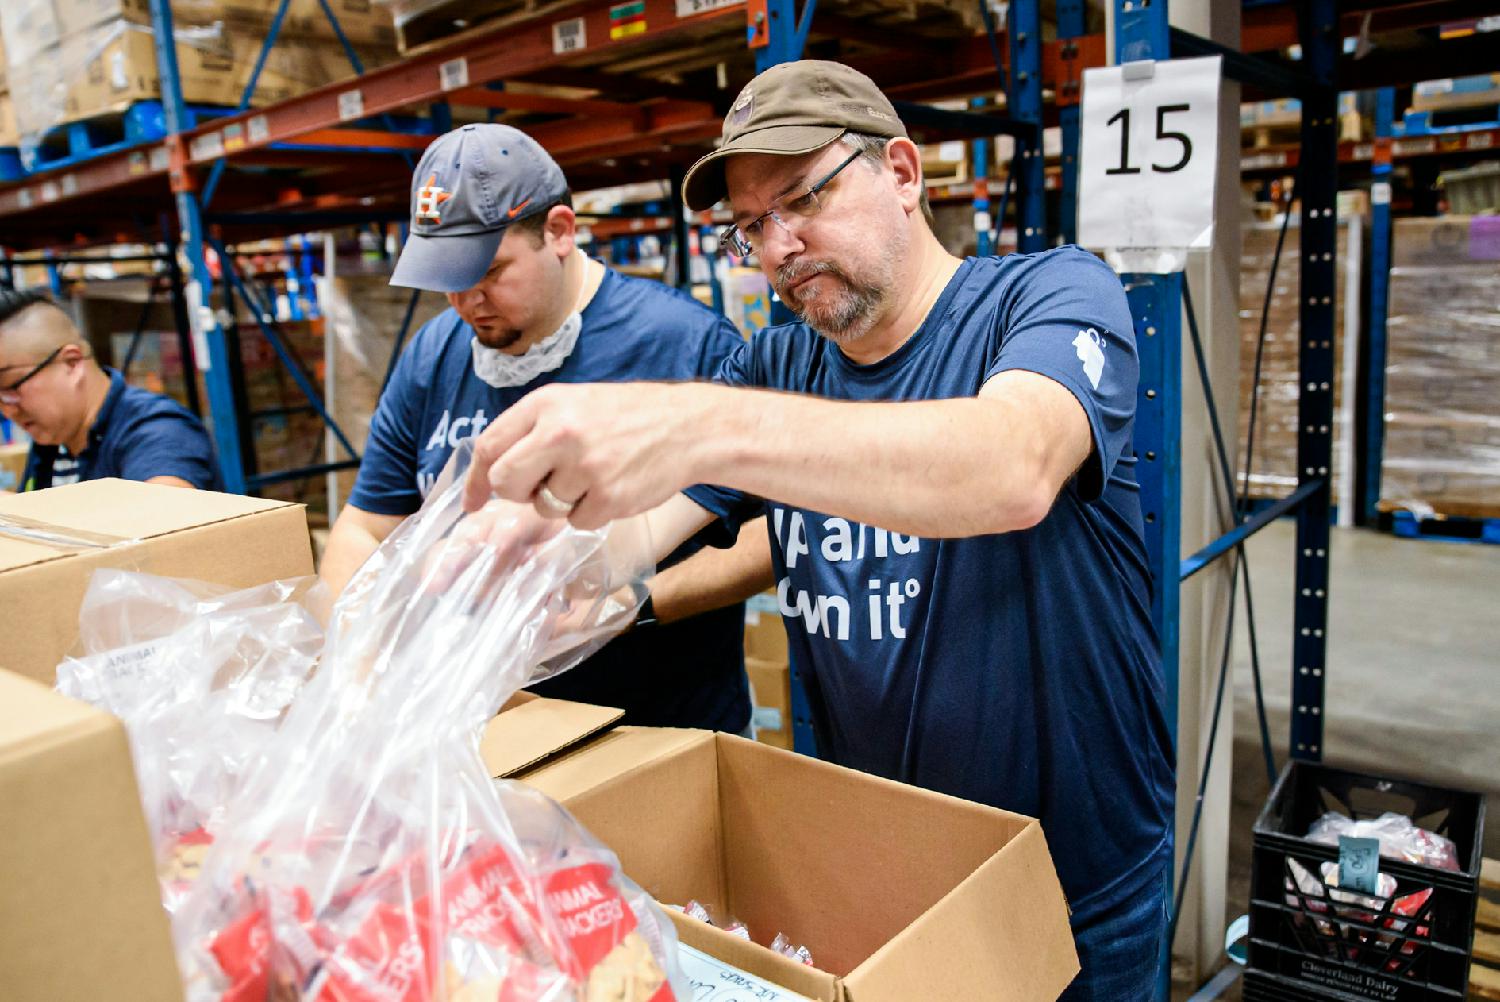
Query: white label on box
[160,158]
[70,184]
[712,980]
[454,74]
[1480,141]
[351,105]
[687,8]
[766,718]
[569,36]
[763,603]
[1380,193]
[1427,88]
[207,147]
[951,152]
[259,129]
[1150,144]
[50,192]
[24,197]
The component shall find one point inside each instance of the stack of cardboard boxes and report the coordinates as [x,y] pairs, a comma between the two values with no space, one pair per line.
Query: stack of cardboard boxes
[899,893]
[76,59]
[362,317]
[1442,403]
[1273,472]
[770,673]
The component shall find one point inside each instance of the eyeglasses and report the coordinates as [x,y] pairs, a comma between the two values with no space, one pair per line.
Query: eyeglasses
[12,392]
[746,239]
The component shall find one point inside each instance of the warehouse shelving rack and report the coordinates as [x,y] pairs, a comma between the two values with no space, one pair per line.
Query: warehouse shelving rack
[318,160]
[335,155]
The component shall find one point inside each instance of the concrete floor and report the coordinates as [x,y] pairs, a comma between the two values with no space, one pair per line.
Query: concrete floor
[1413,671]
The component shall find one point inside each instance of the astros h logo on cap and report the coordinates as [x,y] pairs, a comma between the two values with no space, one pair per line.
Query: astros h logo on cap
[429,197]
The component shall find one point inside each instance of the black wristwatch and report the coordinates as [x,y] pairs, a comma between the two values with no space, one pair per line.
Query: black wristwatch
[646,614]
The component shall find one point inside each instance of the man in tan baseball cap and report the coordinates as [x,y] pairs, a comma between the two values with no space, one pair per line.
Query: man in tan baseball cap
[944,449]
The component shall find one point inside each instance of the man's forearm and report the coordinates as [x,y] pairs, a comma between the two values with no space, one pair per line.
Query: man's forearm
[933,468]
[711,578]
[349,546]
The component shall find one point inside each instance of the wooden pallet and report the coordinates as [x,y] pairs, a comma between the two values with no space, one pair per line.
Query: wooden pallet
[1484,972]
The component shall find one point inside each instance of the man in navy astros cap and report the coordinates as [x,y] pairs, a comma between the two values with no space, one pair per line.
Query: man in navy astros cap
[492,227]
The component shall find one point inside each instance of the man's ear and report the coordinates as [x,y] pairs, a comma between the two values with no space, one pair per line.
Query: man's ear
[561,230]
[906,162]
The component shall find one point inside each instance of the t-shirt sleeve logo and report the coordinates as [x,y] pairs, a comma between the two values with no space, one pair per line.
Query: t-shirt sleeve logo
[1090,347]
[430,197]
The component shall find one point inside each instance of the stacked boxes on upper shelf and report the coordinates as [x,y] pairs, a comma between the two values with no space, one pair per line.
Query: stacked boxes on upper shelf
[72,60]
[1442,404]
[1273,473]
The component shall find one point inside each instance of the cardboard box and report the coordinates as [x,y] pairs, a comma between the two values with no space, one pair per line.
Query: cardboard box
[363,22]
[222,538]
[899,893]
[81,914]
[771,693]
[12,465]
[530,729]
[765,630]
[119,68]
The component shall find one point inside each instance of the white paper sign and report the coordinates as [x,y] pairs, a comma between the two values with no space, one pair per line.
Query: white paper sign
[1148,158]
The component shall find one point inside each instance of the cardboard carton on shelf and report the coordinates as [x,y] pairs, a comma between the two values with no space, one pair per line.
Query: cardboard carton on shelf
[12,465]
[107,68]
[771,696]
[765,630]
[51,541]
[81,916]
[899,893]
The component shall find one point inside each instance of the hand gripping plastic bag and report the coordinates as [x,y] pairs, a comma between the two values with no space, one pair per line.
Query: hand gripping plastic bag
[370,857]
[201,676]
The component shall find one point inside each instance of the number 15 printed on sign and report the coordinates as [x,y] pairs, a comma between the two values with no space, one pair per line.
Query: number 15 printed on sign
[1149,156]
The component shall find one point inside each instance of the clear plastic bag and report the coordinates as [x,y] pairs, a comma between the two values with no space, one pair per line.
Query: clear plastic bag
[1399,838]
[201,677]
[369,856]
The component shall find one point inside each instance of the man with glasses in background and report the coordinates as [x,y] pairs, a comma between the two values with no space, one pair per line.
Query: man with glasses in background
[944,450]
[84,421]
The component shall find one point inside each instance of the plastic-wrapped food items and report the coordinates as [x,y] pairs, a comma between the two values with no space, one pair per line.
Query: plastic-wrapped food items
[1399,838]
[367,856]
[201,676]
[734,927]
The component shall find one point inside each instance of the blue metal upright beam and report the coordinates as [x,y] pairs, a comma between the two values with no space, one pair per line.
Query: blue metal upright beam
[984,225]
[1380,292]
[1024,94]
[1071,24]
[1318,189]
[1142,32]
[225,420]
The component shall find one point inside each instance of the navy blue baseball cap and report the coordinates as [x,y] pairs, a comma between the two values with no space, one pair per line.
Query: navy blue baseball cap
[472,184]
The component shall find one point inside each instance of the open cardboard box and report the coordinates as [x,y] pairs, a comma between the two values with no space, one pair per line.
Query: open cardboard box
[51,542]
[900,893]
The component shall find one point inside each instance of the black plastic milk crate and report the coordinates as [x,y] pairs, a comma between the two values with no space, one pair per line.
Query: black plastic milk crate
[1309,940]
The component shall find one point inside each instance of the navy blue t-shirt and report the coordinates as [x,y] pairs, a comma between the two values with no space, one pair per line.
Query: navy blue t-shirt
[136,435]
[688,674]
[1019,669]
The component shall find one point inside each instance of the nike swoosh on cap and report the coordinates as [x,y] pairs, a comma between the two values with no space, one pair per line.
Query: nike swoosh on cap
[512,212]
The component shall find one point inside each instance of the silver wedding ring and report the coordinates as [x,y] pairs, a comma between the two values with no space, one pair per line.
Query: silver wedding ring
[554,504]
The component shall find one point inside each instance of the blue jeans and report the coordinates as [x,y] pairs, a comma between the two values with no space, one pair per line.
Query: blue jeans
[1120,950]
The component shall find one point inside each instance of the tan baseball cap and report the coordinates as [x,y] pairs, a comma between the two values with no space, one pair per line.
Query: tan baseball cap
[790,109]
